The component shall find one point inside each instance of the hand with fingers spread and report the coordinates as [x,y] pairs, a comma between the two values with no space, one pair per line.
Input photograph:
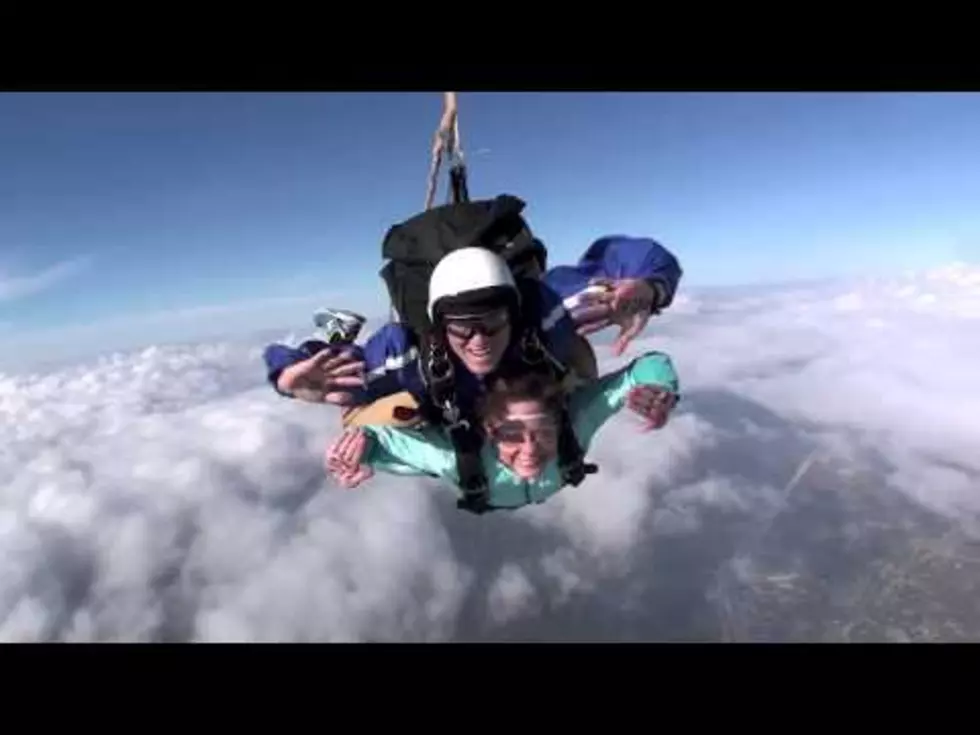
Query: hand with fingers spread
[627,302]
[343,458]
[327,377]
[653,404]
[591,309]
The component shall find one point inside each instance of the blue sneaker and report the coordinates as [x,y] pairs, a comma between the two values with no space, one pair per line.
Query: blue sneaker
[338,326]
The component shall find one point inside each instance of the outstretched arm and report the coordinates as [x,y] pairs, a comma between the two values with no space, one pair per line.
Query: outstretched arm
[315,372]
[649,385]
[617,258]
[355,456]
[638,278]
[345,375]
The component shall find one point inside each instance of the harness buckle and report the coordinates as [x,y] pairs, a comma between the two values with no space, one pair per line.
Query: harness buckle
[453,416]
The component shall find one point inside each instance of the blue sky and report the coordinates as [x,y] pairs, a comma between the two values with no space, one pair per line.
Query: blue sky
[156,216]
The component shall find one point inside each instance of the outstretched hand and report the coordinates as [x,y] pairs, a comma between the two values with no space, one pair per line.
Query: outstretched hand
[627,302]
[653,404]
[343,458]
[327,377]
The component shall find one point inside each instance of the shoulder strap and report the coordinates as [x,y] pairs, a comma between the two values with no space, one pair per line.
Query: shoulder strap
[466,439]
[571,459]
[532,346]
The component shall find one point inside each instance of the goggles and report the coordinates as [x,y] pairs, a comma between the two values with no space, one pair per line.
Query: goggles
[514,430]
[465,328]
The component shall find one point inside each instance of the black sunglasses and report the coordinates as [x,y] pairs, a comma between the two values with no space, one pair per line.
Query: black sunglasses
[488,326]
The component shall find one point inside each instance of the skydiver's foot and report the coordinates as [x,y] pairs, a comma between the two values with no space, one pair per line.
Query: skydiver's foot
[338,326]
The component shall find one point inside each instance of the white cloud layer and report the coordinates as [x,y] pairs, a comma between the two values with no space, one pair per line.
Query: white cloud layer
[819,482]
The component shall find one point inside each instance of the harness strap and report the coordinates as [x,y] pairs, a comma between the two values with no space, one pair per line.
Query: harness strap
[571,460]
[467,441]
[446,143]
[469,465]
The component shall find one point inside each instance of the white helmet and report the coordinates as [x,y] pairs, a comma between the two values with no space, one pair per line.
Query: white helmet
[471,276]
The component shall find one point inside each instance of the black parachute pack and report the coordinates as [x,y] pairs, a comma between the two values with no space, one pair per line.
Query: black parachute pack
[412,249]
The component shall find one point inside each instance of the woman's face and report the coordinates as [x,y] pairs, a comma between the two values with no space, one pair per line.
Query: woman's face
[526,438]
[480,343]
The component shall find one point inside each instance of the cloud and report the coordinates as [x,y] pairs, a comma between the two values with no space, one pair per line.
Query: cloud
[818,483]
[18,287]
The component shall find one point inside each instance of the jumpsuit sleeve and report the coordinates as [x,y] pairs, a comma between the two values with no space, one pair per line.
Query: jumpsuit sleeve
[594,404]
